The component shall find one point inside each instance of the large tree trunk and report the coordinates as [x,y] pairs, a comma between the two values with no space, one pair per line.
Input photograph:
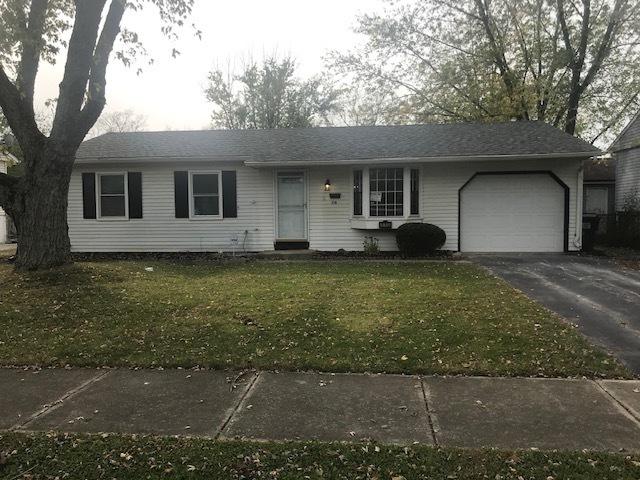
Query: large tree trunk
[40,213]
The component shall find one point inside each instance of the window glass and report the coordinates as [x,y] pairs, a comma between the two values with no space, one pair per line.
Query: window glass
[386,192]
[112,184]
[206,194]
[204,184]
[357,192]
[112,196]
[205,206]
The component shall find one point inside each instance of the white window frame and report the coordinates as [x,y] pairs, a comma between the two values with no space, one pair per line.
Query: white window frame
[192,215]
[99,197]
[406,193]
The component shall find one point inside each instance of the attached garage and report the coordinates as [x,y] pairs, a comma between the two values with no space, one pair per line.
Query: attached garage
[514,212]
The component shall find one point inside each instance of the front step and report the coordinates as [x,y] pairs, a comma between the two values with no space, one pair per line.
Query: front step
[291,245]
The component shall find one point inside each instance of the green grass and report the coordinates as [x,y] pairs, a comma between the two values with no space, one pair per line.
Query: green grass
[98,457]
[435,318]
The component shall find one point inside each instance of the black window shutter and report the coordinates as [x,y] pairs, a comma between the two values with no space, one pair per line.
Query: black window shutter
[181,187]
[229,194]
[415,192]
[88,195]
[135,194]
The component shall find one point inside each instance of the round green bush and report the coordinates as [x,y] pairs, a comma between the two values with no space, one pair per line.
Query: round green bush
[419,238]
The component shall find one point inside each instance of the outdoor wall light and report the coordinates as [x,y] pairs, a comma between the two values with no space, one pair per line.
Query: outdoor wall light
[327,185]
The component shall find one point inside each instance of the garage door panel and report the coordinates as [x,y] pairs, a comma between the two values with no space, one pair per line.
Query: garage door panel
[512,213]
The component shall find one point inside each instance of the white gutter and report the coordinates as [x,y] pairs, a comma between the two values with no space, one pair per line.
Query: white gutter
[156,159]
[577,238]
[249,161]
[457,158]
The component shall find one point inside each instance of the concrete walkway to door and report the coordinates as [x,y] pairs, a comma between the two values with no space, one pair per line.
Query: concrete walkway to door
[509,413]
[595,293]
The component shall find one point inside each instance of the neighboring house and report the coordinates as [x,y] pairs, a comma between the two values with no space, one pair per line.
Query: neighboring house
[513,186]
[626,149]
[599,186]
[6,159]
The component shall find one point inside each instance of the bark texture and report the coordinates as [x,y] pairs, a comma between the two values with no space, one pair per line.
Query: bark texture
[38,206]
[37,201]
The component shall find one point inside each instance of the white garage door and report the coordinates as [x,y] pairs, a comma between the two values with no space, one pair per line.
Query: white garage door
[512,213]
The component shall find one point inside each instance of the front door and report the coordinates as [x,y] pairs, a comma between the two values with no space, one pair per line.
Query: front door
[292,206]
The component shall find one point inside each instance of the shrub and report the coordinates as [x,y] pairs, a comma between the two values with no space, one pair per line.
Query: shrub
[419,238]
[623,229]
[370,246]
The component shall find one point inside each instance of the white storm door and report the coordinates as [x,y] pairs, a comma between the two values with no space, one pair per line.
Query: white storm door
[292,206]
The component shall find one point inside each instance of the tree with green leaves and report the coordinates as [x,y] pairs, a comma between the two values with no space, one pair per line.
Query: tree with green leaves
[268,95]
[32,31]
[574,64]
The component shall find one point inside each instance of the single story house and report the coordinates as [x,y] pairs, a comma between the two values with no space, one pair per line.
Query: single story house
[626,150]
[503,187]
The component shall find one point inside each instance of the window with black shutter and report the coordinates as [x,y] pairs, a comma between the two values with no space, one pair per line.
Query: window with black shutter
[357,192]
[415,192]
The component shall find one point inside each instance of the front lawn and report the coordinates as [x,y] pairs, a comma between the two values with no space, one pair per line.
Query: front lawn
[436,318]
[96,457]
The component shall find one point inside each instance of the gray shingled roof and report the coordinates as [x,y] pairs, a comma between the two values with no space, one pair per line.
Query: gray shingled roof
[340,143]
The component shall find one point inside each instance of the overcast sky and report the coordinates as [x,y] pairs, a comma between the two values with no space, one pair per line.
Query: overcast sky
[170,92]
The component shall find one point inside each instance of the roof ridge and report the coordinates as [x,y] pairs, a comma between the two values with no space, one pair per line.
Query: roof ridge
[340,127]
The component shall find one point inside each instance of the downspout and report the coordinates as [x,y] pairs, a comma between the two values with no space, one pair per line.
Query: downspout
[577,239]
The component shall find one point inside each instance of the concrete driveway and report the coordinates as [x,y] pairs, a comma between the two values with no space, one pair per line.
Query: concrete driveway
[599,296]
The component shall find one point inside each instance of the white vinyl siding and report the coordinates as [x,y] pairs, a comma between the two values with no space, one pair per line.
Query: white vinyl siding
[329,219]
[160,231]
[627,175]
[627,153]
[441,183]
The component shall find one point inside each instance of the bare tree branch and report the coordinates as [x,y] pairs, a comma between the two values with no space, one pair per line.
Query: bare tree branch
[497,49]
[562,19]
[19,115]
[605,44]
[616,118]
[79,60]
[97,81]
[31,50]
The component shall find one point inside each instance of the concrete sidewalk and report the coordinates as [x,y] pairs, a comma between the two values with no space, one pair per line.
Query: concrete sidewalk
[505,413]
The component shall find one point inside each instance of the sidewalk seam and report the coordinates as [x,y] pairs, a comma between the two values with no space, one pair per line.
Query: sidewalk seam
[237,406]
[619,404]
[430,420]
[57,403]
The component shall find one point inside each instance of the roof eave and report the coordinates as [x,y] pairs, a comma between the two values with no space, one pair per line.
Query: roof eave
[436,159]
[250,161]
[614,147]
[157,159]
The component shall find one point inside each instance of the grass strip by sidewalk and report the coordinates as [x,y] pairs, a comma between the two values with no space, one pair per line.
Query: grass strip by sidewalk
[430,318]
[96,457]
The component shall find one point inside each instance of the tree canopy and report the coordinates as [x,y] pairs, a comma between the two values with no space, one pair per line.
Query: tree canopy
[119,121]
[89,32]
[575,65]
[268,95]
